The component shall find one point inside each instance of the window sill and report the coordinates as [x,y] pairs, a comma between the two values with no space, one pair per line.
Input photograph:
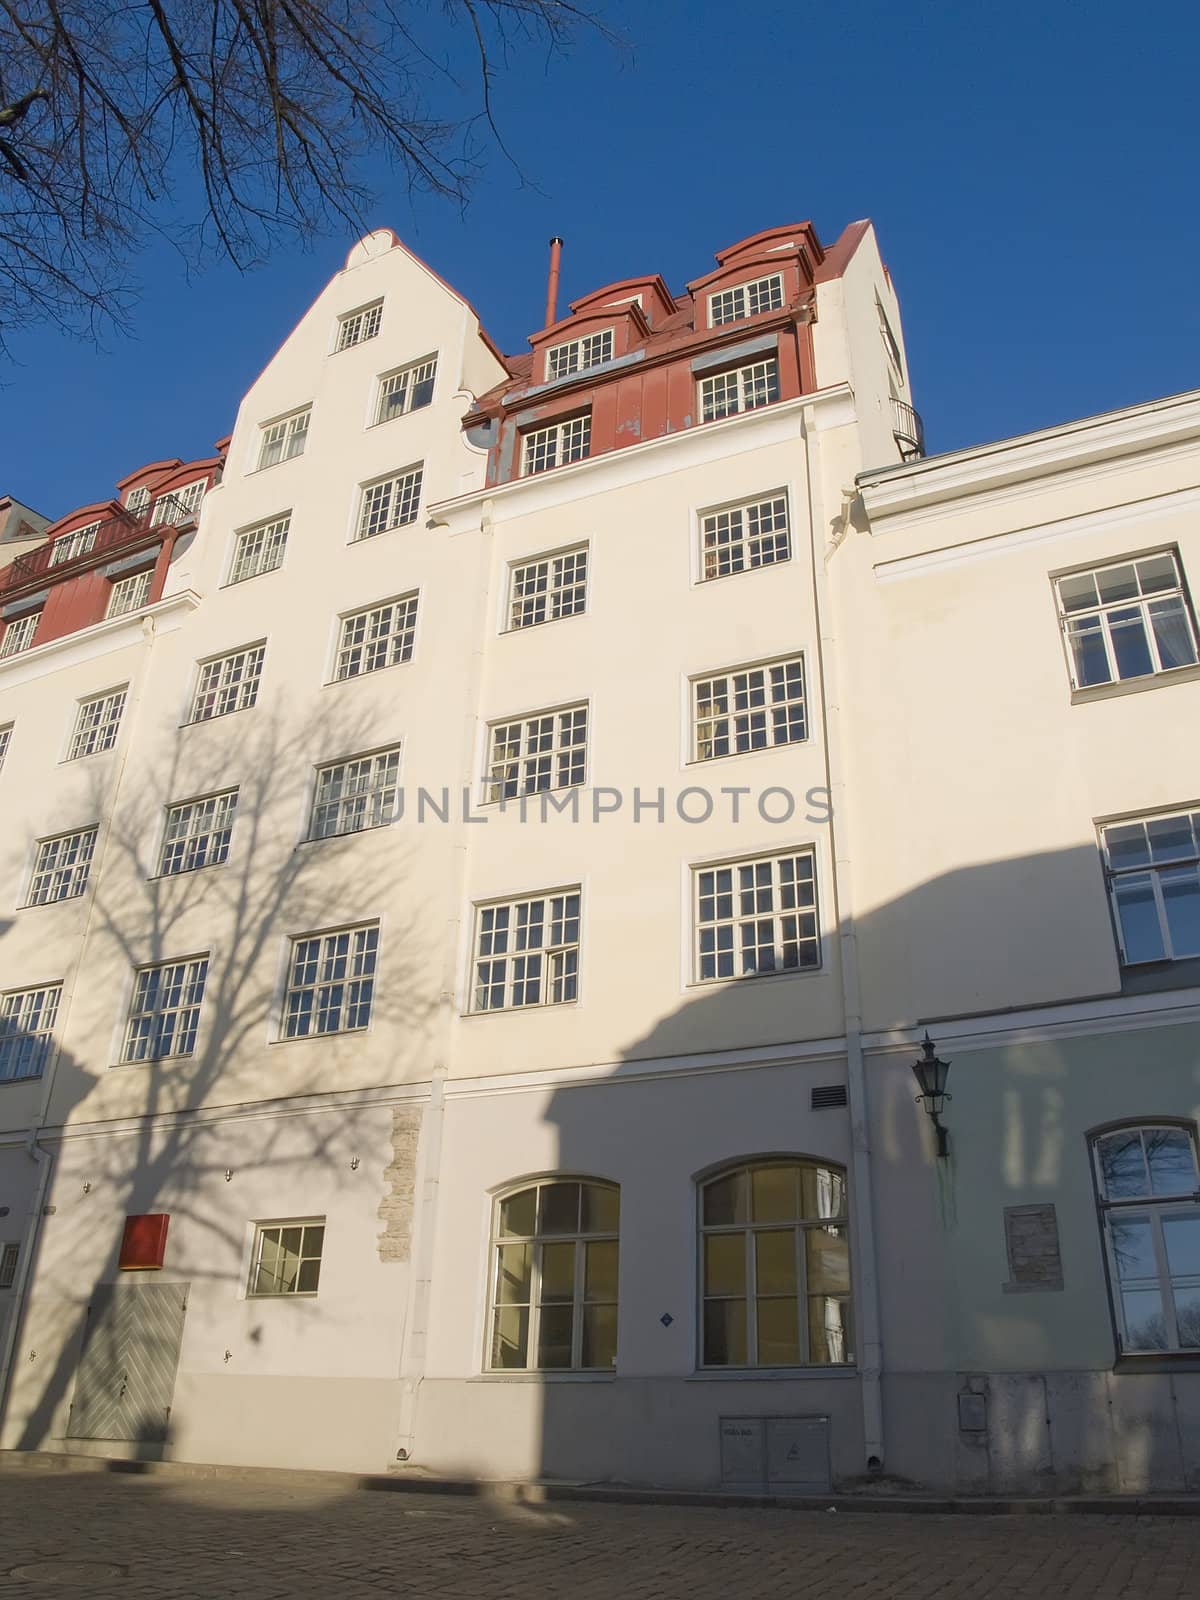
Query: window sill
[540,1377]
[702,984]
[518,1011]
[1150,977]
[770,1374]
[1162,1361]
[28,1077]
[1152,680]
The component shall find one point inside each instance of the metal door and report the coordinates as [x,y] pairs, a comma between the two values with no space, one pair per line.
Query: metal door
[126,1375]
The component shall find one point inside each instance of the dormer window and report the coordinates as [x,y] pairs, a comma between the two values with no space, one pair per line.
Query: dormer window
[74,544]
[746,300]
[137,499]
[577,355]
[739,389]
[358,326]
[557,445]
[180,505]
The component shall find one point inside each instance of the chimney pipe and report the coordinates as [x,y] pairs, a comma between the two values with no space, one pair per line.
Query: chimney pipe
[556,245]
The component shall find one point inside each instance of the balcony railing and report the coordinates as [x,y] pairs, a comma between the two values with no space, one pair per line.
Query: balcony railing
[908,431]
[114,533]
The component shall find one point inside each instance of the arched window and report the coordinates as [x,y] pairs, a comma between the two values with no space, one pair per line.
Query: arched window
[775,1266]
[1150,1216]
[554,1277]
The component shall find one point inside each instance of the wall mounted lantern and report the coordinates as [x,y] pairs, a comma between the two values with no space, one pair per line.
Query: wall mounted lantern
[931,1073]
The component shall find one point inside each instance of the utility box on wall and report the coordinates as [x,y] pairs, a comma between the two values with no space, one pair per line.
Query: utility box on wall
[785,1455]
[144,1242]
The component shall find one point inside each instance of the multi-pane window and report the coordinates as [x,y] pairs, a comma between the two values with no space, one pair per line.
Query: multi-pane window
[579,354]
[775,1267]
[5,741]
[61,867]
[1148,1183]
[18,634]
[97,724]
[27,1019]
[546,751]
[129,594]
[745,300]
[287,1257]
[406,390]
[197,833]
[544,590]
[359,325]
[527,952]
[331,982]
[750,708]
[284,439]
[1129,620]
[228,683]
[391,503]
[260,549]
[381,636]
[137,499]
[179,505]
[554,1277]
[737,538]
[10,1254]
[739,389]
[558,444]
[756,917]
[74,544]
[363,792]
[1153,868]
[164,1013]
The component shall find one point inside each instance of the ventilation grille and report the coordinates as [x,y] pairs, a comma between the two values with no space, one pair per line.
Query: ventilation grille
[828,1095]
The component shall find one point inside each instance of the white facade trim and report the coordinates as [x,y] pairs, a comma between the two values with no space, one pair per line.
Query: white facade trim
[101,639]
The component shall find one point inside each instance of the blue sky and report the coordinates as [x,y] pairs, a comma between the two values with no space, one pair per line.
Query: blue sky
[1031,169]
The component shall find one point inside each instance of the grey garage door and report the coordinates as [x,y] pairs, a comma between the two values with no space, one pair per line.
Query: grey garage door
[126,1375]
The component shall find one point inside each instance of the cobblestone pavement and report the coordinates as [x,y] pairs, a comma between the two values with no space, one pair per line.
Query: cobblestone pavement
[65,1533]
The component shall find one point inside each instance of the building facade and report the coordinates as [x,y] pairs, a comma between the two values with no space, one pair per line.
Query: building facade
[483,851]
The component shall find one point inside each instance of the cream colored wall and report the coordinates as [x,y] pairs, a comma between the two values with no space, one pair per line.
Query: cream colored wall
[983,889]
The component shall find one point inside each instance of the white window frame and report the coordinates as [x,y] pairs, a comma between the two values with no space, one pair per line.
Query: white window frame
[34,1011]
[1158,1211]
[553,569]
[19,634]
[753,386]
[532,1246]
[62,865]
[179,1008]
[137,499]
[385,504]
[232,679]
[559,444]
[774,876]
[284,431]
[748,708]
[259,549]
[10,1254]
[347,972]
[197,833]
[755,526]
[744,300]
[356,327]
[416,378]
[129,594]
[1103,616]
[6,733]
[363,785]
[76,543]
[93,735]
[579,355]
[800,1226]
[307,1225]
[179,505]
[500,941]
[536,752]
[1178,868]
[401,626]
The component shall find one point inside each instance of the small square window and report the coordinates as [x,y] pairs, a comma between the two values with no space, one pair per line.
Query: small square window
[739,538]
[756,917]
[408,389]
[129,594]
[164,1014]
[359,326]
[61,867]
[390,503]
[97,724]
[18,634]
[528,755]
[361,792]
[527,952]
[748,708]
[1153,869]
[739,389]
[557,445]
[548,588]
[137,499]
[259,549]
[381,636]
[287,1257]
[228,683]
[577,355]
[198,833]
[746,300]
[331,982]
[27,1018]
[282,440]
[1131,619]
